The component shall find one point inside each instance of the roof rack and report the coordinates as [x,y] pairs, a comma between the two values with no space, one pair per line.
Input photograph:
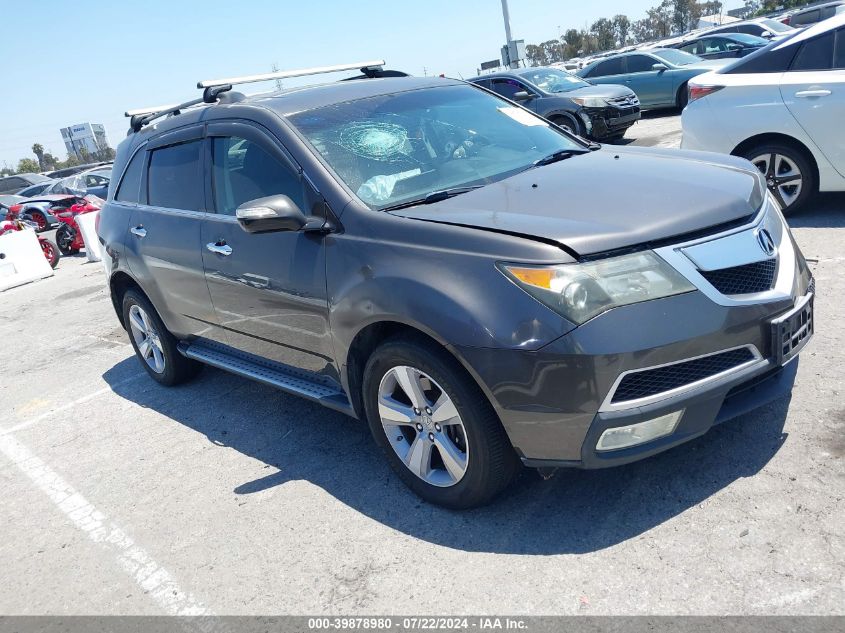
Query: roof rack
[286,74]
[213,88]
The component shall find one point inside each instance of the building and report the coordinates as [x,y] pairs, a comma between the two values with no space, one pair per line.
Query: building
[717,19]
[88,136]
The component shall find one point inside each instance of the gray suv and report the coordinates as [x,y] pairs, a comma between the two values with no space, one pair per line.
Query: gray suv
[485,290]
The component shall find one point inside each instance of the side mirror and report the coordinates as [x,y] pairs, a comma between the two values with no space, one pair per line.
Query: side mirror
[522,95]
[273,213]
[659,67]
[766,34]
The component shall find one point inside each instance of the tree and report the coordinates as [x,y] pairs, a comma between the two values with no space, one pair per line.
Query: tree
[574,40]
[28,166]
[535,54]
[38,150]
[621,29]
[553,51]
[50,161]
[602,29]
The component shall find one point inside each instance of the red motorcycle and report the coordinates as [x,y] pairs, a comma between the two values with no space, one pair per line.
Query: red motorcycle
[68,235]
[48,247]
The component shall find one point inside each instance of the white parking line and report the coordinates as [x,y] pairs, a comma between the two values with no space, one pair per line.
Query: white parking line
[70,405]
[132,558]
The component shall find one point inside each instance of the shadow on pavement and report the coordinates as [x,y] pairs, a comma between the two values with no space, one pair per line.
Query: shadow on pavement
[575,512]
[826,211]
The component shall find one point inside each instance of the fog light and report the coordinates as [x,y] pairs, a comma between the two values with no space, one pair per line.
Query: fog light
[633,434]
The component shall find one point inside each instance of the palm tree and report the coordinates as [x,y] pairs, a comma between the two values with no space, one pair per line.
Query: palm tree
[38,150]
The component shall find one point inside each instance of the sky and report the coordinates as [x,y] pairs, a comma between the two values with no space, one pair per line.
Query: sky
[90,61]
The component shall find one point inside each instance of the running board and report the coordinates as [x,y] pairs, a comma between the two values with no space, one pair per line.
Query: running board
[290,380]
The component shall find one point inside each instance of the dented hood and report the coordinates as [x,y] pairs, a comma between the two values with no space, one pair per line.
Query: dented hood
[609,199]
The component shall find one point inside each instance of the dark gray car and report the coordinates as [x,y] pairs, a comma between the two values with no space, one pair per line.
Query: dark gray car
[592,111]
[483,289]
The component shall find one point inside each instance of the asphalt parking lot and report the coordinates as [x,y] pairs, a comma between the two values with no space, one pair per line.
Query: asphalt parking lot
[225,496]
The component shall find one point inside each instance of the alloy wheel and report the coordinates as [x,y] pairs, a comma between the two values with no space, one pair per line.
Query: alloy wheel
[423,426]
[783,177]
[146,338]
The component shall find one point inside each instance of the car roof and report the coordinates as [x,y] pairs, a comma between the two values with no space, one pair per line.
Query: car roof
[811,31]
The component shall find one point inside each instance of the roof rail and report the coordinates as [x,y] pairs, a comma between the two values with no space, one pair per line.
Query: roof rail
[286,74]
[140,117]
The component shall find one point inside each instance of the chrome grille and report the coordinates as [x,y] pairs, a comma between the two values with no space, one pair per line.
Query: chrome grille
[745,279]
[624,102]
[650,382]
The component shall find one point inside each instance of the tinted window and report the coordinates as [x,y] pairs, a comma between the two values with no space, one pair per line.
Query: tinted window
[608,67]
[676,57]
[174,177]
[12,183]
[640,63]
[245,171]
[807,17]
[839,53]
[507,87]
[130,186]
[815,54]
[765,60]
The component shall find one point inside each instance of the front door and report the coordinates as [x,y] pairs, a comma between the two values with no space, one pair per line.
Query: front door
[268,290]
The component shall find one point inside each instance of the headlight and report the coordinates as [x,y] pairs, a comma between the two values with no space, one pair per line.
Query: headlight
[581,291]
[590,102]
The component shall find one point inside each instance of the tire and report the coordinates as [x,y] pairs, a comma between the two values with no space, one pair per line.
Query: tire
[484,462]
[39,219]
[64,239]
[567,123]
[683,97]
[160,357]
[781,172]
[51,251]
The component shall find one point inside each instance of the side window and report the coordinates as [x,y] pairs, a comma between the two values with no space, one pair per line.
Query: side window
[608,67]
[507,87]
[129,189]
[691,48]
[243,171]
[839,53]
[808,17]
[640,63]
[815,54]
[174,177]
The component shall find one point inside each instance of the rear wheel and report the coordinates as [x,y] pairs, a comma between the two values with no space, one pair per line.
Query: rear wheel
[789,175]
[435,426]
[154,345]
[683,97]
[64,240]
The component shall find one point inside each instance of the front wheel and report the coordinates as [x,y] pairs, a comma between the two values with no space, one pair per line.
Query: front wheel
[568,124]
[789,175]
[39,219]
[435,426]
[64,240]
[50,250]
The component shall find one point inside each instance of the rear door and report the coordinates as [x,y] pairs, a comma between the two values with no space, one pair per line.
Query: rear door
[269,290]
[653,87]
[163,244]
[814,91]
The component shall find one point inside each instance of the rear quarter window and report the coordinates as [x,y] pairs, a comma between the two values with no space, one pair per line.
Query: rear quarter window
[129,189]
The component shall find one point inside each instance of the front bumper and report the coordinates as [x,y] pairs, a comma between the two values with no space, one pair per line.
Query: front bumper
[556,402]
[609,121]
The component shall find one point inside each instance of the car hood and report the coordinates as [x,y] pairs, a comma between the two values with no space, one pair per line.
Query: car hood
[610,199]
[606,91]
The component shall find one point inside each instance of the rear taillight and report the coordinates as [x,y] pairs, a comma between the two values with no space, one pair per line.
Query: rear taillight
[697,92]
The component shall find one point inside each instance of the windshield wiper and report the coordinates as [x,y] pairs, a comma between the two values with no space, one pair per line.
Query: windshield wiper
[557,156]
[434,196]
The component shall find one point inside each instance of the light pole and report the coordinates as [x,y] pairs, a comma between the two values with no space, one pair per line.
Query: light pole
[507,18]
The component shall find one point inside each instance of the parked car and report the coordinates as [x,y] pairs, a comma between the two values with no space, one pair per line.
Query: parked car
[34,190]
[76,169]
[815,13]
[781,108]
[42,210]
[13,184]
[90,182]
[426,256]
[658,76]
[597,112]
[722,46]
[760,27]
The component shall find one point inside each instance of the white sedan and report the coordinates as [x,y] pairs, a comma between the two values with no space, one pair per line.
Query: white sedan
[782,108]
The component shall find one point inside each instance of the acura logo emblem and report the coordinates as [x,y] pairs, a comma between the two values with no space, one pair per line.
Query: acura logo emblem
[766,242]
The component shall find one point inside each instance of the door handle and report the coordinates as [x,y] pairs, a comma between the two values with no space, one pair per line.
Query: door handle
[138,231]
[812,93]
[220,248]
